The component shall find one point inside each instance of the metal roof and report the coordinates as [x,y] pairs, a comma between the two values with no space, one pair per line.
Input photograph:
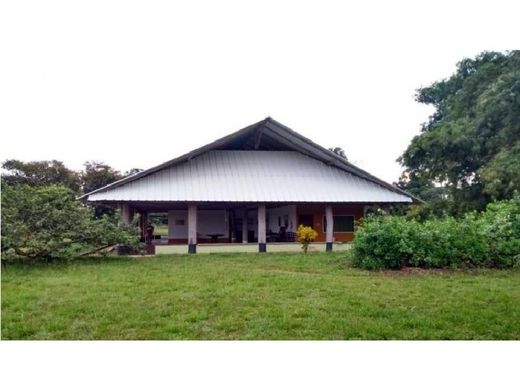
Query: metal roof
[267,134]
[251,176]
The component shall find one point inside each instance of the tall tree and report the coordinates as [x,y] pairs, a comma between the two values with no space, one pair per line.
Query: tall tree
[471,142]
[39,173]
[97,175]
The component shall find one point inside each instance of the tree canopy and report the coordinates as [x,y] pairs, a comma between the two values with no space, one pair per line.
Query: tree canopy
[469,150]
[40,173]
[97,175]
[44,173]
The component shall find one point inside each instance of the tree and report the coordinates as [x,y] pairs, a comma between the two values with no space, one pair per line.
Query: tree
[97,175]
[339,151]
[47,222]
[469,146]
[40,173]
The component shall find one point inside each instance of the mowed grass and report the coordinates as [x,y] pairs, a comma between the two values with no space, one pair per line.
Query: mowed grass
[254,296]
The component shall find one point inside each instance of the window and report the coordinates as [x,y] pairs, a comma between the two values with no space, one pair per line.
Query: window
[342,224]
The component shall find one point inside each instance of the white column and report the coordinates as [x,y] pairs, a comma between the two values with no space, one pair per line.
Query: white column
[261,228]
[244,226]
[192,228]
[330,227]
[143,222]
[126,213]
[294,218]
[171,223]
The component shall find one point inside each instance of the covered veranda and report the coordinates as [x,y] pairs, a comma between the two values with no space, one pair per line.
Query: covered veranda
[242,227]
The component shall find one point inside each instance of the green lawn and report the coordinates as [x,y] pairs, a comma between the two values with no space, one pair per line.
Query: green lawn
[254,296]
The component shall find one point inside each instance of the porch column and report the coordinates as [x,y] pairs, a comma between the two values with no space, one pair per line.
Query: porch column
[244,226]
[126,213]
[261,228]
[192,228]
[330,227]
[294,218]
[143,222]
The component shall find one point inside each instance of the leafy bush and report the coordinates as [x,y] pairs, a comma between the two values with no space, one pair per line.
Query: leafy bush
[490,239]
[501,222]
[47,222]
[305,235]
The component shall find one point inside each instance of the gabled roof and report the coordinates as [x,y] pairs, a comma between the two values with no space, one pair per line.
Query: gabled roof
[266,135]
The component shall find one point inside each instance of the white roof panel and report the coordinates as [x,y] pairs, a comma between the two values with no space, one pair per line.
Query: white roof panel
[251,176]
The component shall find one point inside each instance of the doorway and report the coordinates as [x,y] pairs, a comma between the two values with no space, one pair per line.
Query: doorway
[306,220]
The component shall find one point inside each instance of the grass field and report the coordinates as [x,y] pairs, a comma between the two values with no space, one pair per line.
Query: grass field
[254,296]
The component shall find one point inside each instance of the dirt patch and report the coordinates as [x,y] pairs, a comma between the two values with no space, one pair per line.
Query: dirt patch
[413,271]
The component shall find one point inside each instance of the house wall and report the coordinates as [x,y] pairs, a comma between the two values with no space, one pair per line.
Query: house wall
[318,213]
[208,222]
[174,230]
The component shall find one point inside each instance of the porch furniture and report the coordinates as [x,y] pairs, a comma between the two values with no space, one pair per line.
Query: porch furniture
[272,237]
[214,237]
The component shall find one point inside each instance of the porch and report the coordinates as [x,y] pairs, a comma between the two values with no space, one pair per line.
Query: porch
[209,227]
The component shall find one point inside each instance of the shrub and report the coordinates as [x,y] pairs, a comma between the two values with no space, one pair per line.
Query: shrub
[490,239]
[47,222]
[305,235]
[501,223]
[386,242]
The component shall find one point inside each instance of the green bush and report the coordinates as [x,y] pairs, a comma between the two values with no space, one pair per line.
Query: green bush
[385,242]
[488,239]
[48,222]
[501,222]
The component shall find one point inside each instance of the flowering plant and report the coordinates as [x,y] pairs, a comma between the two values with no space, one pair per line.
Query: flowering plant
[305,235]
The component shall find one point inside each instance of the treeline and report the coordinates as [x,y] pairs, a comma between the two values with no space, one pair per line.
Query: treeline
[94,175]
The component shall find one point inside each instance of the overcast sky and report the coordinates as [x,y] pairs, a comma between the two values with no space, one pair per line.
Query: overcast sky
[134,84]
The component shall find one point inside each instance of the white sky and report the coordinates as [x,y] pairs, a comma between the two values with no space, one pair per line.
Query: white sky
[134,84]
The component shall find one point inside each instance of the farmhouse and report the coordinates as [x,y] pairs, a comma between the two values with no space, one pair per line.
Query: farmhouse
[249,191]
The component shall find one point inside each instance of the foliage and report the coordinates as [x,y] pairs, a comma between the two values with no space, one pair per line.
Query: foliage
[97,175]
[468,151]
[44,173]
[385,242]
[305,235]
[488,239]
[48,222]
[501,222]
[339,151]
[158,219]
[39,173]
